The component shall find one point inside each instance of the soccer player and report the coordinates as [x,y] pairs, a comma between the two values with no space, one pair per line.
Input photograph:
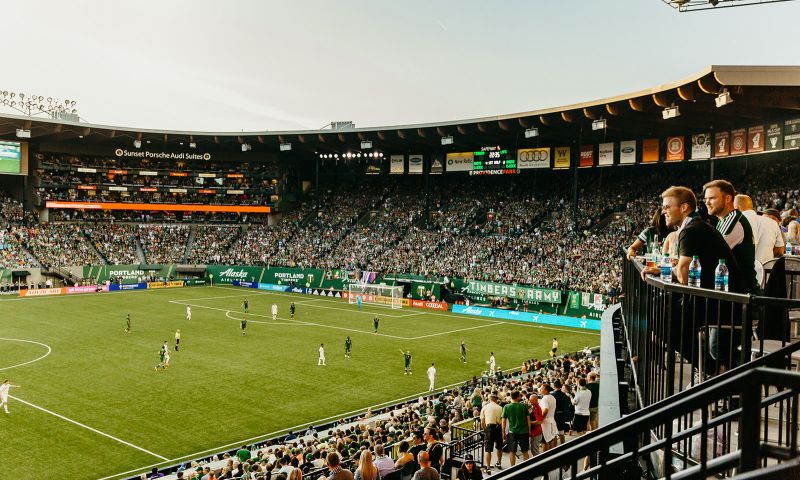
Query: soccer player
[348,344]
[244,325]
[463,352]
[358,301]
[491,363]
[245,305]
[164,348]
[274,311]
[291,309]
[431,376]
[177,339]
[4,393]
[321,360]
[375,322]
[188,312]
[128,324]
[407,360]
[163,357]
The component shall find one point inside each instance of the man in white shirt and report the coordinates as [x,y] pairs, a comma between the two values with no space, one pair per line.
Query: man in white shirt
[6,385]
[321,360]
[491,363]
[188,312]
[549,426]
[383,463]
[768,239]
[274,311]
[491,416]
[431,376]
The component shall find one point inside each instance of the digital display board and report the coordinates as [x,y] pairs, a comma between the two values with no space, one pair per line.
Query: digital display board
[494,160]
[10,157]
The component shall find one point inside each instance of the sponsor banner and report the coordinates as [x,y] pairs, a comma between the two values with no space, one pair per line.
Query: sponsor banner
[374,166]
[206,190]
[722,144]
[235,192]
[174,284]
[701,146]
[178,174]
[303,277]
[429,305]
[605,154]
[459,161]
[148,173]
[272,287]
[541,318]
[235,175]
[87,187]
[194,281]
[755,139]
[121,152]
[177,190]
[627,152]
[118,172]
[791,141]
[115,188]
[674,149]
[415,163]
[738,141]
[86,289]
[587,156]
[397,164]
[650,150]
[227,274]
[533,158]
[774,136]
[163,207]
[207,175]
[239,283]
[437,165]
[148,189]
[561,157]
[114,287]
[42,292]
[87,170]
[529,294]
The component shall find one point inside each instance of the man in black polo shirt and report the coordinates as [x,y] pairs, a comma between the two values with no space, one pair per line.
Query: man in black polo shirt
[734,227]
[563,403]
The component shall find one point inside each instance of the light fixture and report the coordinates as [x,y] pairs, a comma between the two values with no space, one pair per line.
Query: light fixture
[285,147]
[246,147]
[192,145]
[366,144]
[22,133]
[448,140]
[723,98]
[137,143]
[532,132]
[713,2]
[599,124]
[670,112]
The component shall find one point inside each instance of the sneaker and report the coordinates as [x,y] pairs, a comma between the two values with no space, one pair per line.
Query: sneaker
[498,466]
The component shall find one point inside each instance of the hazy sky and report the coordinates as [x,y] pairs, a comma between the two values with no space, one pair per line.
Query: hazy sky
[266,65]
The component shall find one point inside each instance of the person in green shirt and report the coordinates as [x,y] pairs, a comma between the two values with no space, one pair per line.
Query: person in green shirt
[375,322]
[245,305]
[516,427]
[463,352]
[348,344]
[128,324]
[244,325]
[407,359]
[243,454]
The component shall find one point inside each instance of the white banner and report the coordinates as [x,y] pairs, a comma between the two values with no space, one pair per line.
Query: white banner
[606,154]
[415,163]
[701,146]
[207,175]
[87,170]
[398,164]
[235,192]
[118,189]
[533,158]
[148,173]
[627,152]
[460,161]
[177,190]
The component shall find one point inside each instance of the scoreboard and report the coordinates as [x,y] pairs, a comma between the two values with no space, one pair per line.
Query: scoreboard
[493,160]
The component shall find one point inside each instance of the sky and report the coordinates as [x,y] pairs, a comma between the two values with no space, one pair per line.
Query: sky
[238,65]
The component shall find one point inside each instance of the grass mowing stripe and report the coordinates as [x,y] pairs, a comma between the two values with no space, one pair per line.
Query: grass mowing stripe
[87,427]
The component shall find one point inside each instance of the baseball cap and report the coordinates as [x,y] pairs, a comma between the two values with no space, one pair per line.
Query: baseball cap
[469,458]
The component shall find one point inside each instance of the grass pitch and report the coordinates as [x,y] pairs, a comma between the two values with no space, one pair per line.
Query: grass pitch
[91,405]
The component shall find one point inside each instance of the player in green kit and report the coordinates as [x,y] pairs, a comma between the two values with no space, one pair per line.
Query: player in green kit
[291,310]
[375,322]
[128,324]
[407,360]
[463,352]
[245,305]
[244,325]
[348,344]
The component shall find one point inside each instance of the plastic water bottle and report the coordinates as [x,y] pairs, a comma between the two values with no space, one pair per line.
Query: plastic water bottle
[655,249]
[721,276]
[666,268]
[788,248]
[695,270]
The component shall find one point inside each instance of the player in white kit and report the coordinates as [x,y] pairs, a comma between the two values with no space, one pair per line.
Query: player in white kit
[321,360]
[431,376]
[491,363]
[188,312]
[4,393]
[274,311]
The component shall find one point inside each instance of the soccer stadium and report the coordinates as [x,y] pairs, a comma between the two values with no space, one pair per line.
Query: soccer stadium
[601,289]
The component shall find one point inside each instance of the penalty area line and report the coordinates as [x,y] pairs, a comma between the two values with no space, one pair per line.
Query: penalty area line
[87,427]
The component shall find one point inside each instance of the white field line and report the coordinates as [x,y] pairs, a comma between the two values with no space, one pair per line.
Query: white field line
[62,417]
[28,362]
[265,436]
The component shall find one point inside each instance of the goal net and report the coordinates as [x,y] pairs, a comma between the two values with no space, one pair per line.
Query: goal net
[375,294]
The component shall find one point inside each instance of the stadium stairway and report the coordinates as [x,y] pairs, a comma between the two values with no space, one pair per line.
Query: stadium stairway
[139,250]
[189,242]
[93,246]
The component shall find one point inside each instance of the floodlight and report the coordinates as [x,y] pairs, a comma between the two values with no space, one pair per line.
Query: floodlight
[670,112]
[448,140]
[366,144]
[137,143]
[599,124]
[532,132]
[285,147]
[723,99]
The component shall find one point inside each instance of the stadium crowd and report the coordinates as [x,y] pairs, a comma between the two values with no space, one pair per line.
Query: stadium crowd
[163,243]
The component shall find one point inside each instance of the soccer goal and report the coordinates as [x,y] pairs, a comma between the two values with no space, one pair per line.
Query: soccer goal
[375,294]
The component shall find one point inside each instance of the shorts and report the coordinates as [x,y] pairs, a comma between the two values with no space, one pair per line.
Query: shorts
[593,414]
[580,422]
[561,423]
[493,438]
[177,341]
[521,440]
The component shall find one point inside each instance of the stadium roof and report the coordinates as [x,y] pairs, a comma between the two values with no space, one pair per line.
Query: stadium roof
[759,93]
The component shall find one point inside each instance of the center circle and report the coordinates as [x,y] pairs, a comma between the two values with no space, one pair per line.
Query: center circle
[19,340]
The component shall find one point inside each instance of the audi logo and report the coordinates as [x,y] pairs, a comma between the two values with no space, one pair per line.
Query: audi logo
[534,156]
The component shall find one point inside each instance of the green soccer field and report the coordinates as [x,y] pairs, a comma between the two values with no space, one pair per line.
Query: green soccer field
[89,394]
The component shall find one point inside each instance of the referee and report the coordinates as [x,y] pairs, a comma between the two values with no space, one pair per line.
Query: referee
[491,416]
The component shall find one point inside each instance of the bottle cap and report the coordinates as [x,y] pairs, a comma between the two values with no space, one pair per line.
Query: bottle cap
[695,257]
[722,261]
